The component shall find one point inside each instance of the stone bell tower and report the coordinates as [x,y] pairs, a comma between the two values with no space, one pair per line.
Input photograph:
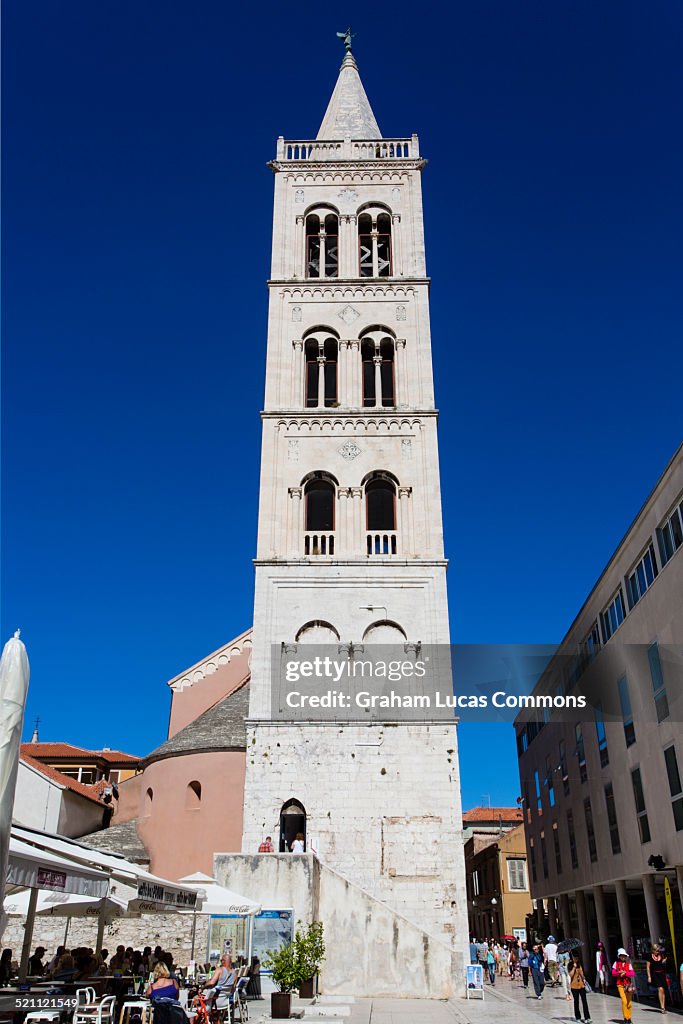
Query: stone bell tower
[350,543]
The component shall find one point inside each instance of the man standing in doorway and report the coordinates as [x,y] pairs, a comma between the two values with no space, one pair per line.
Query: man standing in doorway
[267,845]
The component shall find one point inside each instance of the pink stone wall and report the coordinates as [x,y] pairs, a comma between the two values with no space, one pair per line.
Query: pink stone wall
[193,701]
[128,804]
[181,831]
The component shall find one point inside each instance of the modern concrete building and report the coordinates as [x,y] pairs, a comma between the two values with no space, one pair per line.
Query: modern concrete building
[603,797]
[498,897]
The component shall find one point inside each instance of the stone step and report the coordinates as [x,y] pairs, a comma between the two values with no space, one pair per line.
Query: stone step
[336,999]
[319,1010]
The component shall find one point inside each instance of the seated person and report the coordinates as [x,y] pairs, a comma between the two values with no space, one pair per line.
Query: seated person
[162,986]
[221,983]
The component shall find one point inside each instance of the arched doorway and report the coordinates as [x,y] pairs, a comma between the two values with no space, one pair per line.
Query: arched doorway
[292,822]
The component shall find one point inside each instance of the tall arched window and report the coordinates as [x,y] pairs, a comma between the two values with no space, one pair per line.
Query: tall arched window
[374,243]
[380,514]
[149,797]
[322,244]
[320,384]
[319,497]
[377,356]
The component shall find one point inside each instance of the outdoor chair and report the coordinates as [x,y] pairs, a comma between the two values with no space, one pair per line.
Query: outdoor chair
[240,1004]
[96,1013]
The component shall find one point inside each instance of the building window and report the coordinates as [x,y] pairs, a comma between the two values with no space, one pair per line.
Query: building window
[591,644]
[537,784]
[114,777]
[590,830]
[374,244]
[149,797]
[642,577]
[613,616]
[602,736]
[322,245]
[581,752]
[674,778]
[572,839]
[517,874]
[658,687]
[612,822]
[641,812]
[563,768]
[380,514]
[549,781]
[321,371]
[544,856]
[626,712]
[193,796]
[377,362]
[319,496]
[475,882]
[670,534]
[527,804]
[532,855]
[556,846]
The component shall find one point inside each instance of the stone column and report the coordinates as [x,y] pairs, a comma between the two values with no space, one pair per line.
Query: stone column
[342,386]
[358,543]
[297,397]
[565,916]
[295,530]
[321,382]
[377,360]
[624,913]
[400,374]
[601,914]
[353,375]
[540,917]
[583,919]
[347,246]
[653,921]
[300,255]
[404,545]
[396,265]
[552,917]
[344,532]
[375,257]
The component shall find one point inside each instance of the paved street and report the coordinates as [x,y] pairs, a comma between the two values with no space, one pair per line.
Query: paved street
[506,1001]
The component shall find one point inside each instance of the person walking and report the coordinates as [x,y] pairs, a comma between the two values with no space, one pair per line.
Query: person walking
[537,968]
[551,960]
[622,971]
[473,951]
[563,963]
[657,970]
[578,986]
[491,964]
[524,964]
[600,968]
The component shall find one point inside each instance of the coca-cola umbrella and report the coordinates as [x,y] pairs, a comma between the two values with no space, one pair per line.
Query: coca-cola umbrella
[567,945]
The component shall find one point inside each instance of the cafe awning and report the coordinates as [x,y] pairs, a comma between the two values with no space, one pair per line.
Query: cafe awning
[35,868]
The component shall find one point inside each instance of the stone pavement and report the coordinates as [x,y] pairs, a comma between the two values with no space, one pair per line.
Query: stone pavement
[507,1002]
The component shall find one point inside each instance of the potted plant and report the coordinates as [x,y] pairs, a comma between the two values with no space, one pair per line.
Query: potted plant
[286,976]
[310,954]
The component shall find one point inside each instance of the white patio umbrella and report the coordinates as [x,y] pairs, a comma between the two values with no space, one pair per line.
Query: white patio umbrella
[219,900]
[14,676]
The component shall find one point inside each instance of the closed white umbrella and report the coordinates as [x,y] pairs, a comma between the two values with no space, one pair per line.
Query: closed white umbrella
[14,676]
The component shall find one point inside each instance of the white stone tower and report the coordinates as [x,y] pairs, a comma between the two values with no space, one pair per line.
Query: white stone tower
[350,544]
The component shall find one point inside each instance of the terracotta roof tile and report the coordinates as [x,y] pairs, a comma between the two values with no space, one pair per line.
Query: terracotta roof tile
[62,750]
[494,814]
[74,785]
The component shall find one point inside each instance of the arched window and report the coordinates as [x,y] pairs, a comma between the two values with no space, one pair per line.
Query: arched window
[317,632]
[292,827]
[380,514]
[319,497]
[321,370]
[374,243]
[377,357]
[384,632]
[322,244]
[149,797]
[193,795]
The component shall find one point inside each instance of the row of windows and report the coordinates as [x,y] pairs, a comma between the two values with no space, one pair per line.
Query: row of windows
[193,797]
[377,367]
[373,241]
[676,793]
[320,492]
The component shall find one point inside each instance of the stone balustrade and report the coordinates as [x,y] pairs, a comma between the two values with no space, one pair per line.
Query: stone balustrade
[303,150]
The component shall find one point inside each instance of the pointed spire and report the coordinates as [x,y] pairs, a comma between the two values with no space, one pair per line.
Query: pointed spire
[349,114]
[35,738]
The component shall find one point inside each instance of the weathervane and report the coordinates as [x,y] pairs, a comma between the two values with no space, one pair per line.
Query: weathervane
[347,37]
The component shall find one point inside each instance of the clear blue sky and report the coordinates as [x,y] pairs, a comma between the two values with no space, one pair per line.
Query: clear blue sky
[137,218]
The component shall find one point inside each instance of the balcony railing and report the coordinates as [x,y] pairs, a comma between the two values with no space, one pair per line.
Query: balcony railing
[319,544]
[383,543]
[302,150]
